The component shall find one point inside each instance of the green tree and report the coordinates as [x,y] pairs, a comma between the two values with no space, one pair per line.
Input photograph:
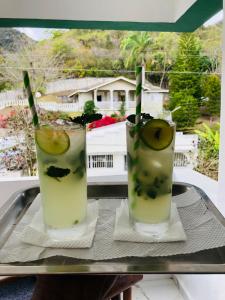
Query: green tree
[135,48]
[61,48]
[185,81]
[186,116]
[185,75]
[163,57]
[211,91]
[89,107]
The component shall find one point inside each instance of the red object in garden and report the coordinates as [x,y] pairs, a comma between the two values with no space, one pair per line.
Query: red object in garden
[4,118]
[3,121]
[107,120]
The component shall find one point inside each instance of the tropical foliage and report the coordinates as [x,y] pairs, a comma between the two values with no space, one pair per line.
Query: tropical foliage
[136,48]
[208,150]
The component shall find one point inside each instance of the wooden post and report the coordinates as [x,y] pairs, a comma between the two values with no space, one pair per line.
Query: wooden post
[111,99]
[127,99]
[95,97]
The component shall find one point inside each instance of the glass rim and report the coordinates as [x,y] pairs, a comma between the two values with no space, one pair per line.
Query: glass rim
[130,124]
[66,126]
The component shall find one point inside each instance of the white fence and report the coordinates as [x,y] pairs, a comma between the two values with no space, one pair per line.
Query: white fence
[12,102]
[66,107]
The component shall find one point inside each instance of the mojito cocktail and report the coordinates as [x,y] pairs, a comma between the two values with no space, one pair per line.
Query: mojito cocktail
[61,155]
[150,168]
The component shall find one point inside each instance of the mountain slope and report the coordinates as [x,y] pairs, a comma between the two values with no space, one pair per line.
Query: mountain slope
[11,40]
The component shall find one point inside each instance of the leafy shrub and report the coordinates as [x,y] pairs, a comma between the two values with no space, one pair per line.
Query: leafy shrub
[208,156]
[89,107]
[49,116]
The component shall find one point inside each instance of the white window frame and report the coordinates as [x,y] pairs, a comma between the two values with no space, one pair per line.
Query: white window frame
[104,161]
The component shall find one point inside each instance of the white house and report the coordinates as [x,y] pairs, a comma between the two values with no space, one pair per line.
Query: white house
[110,93]
[107,152]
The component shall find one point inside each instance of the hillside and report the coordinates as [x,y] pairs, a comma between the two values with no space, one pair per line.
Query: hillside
[11,40]
[211,37]
[95,49]
[98,53]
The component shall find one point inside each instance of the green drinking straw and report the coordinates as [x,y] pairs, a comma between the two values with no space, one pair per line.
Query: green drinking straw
[26,81]
[137,127]
[138,93]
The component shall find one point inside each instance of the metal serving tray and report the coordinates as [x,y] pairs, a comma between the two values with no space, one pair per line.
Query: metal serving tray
[207,261]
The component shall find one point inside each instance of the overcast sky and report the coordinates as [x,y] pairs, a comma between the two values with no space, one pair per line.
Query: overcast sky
[43,33]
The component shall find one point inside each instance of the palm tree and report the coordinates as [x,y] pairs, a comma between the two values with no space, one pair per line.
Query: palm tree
[136,48]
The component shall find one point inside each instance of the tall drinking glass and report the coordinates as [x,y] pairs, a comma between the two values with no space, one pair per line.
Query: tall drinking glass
[150,167]
[61,155]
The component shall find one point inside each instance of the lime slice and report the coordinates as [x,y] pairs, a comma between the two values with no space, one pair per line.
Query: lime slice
[52,141]
[157,134]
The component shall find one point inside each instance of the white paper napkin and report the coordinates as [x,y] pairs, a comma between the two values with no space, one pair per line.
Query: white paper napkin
[124,232]
[80,236]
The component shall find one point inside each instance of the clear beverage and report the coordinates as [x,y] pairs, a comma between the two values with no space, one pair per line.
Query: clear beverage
[150,169]
[61,155]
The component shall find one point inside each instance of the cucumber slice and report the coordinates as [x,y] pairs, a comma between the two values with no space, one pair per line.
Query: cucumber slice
[52,141]
[157,134]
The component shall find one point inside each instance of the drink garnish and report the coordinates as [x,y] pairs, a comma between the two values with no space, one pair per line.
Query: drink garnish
[52,141]
[56,172]
[157,134]
[152,193]
[144,117]
[86,118]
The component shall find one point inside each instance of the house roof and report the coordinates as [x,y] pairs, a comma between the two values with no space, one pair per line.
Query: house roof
[147,86]
[65,87]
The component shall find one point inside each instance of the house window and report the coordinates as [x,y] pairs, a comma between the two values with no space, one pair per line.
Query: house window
[180,160]
[100,161]
[99,98]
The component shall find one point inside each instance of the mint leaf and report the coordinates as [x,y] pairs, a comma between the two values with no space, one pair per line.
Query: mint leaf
[56,172]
